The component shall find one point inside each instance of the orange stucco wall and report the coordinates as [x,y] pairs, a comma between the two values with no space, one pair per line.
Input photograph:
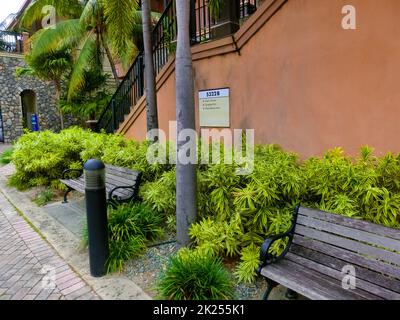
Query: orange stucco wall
[305,83]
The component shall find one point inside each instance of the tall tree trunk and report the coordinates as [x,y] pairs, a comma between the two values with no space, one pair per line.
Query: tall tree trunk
[110,59]
[58,95]
[151,94]
[186,206]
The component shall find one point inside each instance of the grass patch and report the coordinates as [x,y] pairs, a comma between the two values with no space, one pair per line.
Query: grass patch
[6,156]
[44,197]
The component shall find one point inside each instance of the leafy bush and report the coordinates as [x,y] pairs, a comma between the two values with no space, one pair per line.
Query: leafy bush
[130,227]
[195,276]
[236,213]
[41,157]
[6,156]
[123,250]
[130,220]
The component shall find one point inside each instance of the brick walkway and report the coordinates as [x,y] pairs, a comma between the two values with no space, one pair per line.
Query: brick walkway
[30,269]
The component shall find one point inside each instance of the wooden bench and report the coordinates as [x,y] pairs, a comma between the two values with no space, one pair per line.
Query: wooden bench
[323,247]
[122,184]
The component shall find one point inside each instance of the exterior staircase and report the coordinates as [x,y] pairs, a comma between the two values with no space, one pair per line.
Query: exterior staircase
[203,28]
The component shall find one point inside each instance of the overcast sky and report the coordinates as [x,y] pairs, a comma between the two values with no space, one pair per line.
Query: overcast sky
[9,6]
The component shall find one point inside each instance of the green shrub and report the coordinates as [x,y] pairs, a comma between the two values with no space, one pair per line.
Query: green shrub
[236,213]
[249,262]
[123,250]
[44,197]
[6,156]
[130,220]
[160,194]
[41,157]
[195,276]
[130,227]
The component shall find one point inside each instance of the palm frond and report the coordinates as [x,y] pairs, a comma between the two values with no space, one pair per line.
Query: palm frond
[64,8]
[88,16]
[119,22]
[86,57]
[67,34]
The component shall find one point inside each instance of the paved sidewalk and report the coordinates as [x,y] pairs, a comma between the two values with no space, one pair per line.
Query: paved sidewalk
[66,243]
[30,269]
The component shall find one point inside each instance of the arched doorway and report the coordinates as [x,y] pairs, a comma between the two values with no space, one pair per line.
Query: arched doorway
[1,127]
[28,102]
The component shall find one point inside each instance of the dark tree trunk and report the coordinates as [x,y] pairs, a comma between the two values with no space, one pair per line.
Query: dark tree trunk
[151,94]
[110,59]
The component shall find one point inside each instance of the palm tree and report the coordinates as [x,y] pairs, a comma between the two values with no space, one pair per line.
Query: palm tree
[93,25]
[151,94]
[186,208]
[49,67]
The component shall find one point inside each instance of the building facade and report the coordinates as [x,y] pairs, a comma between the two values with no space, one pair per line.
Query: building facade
[309,75]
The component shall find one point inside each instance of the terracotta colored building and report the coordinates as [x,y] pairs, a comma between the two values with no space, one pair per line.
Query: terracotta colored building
[298,77]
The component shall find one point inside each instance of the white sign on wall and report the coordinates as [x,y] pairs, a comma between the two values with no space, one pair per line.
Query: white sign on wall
[214,108]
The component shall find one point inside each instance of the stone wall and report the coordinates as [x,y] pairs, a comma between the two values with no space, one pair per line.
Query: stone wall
[12,86]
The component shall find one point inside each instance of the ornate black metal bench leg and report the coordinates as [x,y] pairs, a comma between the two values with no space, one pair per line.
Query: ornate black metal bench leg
[291,295]
[66,194]
[270,285]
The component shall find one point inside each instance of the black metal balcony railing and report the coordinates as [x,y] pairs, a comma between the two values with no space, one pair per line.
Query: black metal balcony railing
[202,23]
[11,42]
[164,35]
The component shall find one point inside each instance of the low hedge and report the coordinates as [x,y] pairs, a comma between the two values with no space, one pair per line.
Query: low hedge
[235,212]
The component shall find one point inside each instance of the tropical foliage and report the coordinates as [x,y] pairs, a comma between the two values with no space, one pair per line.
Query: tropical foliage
[93,26]
[235,213]
[130,227]
[49,66]
[194,276]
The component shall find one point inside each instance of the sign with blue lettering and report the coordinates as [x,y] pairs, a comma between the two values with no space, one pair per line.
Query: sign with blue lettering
[214,109]
[35,122]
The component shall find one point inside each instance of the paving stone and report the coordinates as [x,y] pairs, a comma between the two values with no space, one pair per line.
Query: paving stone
[20,294]
[73,288]
[22,264]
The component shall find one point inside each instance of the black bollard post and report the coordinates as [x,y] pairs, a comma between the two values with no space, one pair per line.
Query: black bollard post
[96,211]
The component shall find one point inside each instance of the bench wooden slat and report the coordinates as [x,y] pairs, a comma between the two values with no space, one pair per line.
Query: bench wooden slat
[343,230]
[346,255]
[311,284]
[115,180]
[324,243]
[120,192]
[353,223]
[124,193]
[366,280]
[120,182]
[349,244]
[75,185]
[121,172]
[115,177]
[361,284]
